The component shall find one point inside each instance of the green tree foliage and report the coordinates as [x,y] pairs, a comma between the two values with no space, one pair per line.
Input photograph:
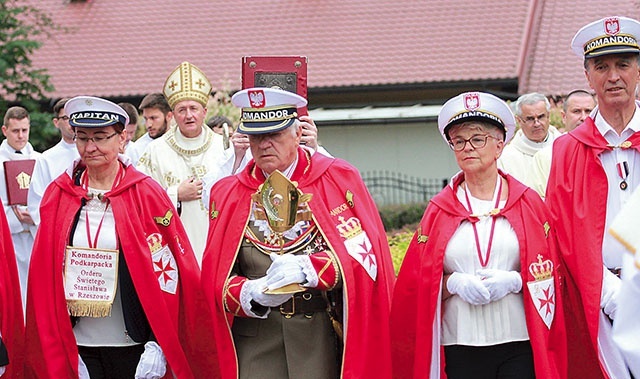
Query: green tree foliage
[21,26]
[220,105]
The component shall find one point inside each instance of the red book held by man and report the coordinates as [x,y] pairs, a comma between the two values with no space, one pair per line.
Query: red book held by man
[17,175]
[283,72]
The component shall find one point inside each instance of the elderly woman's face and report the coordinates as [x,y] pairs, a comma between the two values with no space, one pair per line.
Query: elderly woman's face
[99,147]
[476,146]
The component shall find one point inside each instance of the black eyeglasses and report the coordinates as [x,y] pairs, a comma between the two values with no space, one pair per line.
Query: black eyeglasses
[98,140]
[63,118]
[530,120]
[477,141]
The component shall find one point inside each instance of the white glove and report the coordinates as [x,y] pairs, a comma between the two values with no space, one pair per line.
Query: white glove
[2,370]
[500,283]
[153,364]
[288,269]
[83,373]
[254,290]
[468,287]
[610,289]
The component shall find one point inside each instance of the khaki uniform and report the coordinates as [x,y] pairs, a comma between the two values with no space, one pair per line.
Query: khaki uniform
[303,345]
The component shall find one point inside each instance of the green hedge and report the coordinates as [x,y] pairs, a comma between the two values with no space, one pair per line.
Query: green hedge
[398,244]
[395,217]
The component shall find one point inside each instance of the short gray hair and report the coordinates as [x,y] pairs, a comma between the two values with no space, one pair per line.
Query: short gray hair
[530,99]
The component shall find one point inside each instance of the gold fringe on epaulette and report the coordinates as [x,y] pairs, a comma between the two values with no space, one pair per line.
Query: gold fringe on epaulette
[81,308]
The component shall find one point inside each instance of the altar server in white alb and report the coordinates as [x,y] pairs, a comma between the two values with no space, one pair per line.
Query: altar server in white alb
[16,147]
[184,154]
[53,162]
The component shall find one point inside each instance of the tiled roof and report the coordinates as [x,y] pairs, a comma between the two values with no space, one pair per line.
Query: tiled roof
[118,48]
[553,67]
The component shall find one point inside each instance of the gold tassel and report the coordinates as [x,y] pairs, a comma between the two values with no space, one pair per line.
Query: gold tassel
[337,327]
[89,308]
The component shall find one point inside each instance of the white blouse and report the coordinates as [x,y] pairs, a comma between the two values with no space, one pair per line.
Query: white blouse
[499,321]
[110,330]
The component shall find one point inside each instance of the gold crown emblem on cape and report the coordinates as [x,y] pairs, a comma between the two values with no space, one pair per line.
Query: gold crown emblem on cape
[154,241]
[349,228]
[187,82]
[541,270]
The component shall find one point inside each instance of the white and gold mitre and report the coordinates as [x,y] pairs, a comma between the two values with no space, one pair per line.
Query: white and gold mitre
[187,82]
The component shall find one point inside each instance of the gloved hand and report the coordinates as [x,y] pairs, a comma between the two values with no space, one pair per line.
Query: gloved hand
[83,373]
[610,289]
[255,290]
[469,288]
[288,269]
[500,283]
[2,370]
[153,364]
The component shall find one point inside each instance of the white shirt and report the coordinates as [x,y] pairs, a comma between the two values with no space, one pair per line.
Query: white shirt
[612,250]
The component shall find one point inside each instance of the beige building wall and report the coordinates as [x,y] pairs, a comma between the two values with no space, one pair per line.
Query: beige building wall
[415,149]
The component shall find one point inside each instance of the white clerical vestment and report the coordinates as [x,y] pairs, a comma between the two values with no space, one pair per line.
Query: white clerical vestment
[21,234]
[174,158]
[517,156]
[51,164]
[137,148]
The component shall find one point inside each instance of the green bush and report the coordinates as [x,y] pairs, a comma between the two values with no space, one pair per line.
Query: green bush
[398,244]
[395,217]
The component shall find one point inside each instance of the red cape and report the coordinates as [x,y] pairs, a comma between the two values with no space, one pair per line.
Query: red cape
[577,198]
[12,322]
[366,353]
[177,320]
[417,292]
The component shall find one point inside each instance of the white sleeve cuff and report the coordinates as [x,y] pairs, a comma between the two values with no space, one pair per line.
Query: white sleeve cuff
[309,271]
[245,300]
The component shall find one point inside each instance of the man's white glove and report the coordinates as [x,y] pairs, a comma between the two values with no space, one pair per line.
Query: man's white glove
[2,370]
[469,288]
[83,373]
[254,290]
[610,289]
[153,364]
[500,283]
[289,269]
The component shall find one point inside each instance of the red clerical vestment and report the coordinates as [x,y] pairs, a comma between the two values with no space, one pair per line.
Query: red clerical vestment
[141,209]
[577,198]
[340,203]
[417,294]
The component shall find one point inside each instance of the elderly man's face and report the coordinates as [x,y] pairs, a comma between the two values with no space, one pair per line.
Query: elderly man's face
[277,150]
[614,78]
[189,115]
[534,121]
